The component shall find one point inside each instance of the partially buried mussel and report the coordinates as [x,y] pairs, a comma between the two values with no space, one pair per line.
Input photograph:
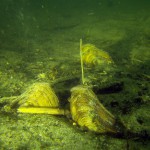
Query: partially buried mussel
[87,111]
[39,98]
[93,56]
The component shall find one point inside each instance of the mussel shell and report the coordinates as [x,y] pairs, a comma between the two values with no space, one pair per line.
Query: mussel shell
[94,56]
[87,111]
[39,95]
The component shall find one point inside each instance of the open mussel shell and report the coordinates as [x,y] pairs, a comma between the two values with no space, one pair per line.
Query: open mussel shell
[39,98]
[94,56]
[87,111]
[39,95]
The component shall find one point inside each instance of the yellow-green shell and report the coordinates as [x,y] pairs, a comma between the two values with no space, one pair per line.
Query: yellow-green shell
[91,55]
[87,111]
[39,95]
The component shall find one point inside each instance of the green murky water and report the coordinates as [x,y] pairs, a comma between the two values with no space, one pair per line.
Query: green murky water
[39,42]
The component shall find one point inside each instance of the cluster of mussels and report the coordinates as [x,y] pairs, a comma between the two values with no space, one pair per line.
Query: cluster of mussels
[85,108]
